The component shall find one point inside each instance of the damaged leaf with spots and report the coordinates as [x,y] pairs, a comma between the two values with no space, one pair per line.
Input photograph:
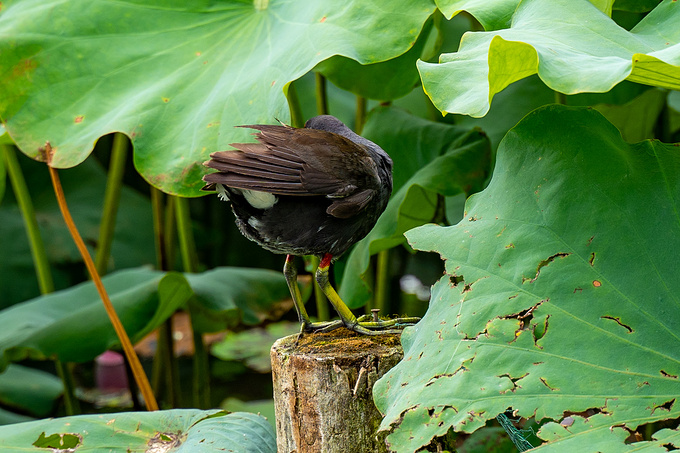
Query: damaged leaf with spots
[178,431]
[562,299]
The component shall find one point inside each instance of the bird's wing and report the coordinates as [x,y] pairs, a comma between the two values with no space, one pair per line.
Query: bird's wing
[302,162]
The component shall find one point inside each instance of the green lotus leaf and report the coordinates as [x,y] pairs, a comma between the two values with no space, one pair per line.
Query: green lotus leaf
[572,46]
[561,294]
[72,325]
[178,430]
[175,76]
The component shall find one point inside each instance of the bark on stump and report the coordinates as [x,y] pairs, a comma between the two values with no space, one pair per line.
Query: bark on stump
[323,390]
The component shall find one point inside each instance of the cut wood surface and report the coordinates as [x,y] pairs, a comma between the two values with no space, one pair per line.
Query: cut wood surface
[323,390]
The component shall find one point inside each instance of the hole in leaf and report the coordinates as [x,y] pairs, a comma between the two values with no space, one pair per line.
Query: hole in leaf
[514,381]
[672,376]
[163,442]
[540,329]
[592,258]
[456,279]
[586,414]
[59,441]
[618,321]
[646,432]
[544,382]
[667,406]
[542,264]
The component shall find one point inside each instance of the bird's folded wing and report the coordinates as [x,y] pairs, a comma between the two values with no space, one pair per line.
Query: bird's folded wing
[302,162]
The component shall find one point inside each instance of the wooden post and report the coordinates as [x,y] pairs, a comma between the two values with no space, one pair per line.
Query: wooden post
[323,390]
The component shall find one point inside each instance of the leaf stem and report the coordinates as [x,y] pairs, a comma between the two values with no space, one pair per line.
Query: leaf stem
[165,374]
[201,372]
[322,310]
[40,261]
[321,96]
[186,238]
[382,280]
[16,177]
[360,115]
[296,119]
[157,214]
[133,360]
[169,234]
[114,184]
[560,98]
[201,378]
[65,373]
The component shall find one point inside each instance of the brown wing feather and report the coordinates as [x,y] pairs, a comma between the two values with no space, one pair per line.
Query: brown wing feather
[290,161]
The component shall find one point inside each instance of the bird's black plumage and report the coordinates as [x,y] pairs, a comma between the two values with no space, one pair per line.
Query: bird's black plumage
[308,191]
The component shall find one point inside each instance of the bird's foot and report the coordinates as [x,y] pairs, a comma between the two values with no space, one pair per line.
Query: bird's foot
[364,325]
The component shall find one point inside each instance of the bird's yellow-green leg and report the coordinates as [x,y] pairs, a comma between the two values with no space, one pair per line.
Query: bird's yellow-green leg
[290,273]
[347,317]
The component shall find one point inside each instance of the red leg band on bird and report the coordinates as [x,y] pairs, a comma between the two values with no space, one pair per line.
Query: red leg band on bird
[326,260]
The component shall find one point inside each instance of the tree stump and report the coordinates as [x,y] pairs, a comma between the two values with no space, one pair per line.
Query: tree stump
[323,390]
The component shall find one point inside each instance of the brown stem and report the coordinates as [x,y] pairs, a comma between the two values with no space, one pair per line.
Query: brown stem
[133,360]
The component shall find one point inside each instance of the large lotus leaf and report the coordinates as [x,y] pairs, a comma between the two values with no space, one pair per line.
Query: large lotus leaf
[176,77]
[84,187]
[72,325]
[8,418]
[179,430]
[29,390]
[227,296]
[636,119]
[492,14]
[497,14]
[569,293]
[430,159]
[253,346]
[383,81]
[572,46]
[637,6]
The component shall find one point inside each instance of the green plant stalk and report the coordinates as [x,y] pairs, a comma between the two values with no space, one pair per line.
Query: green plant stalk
[42,265]
[165,369]
[157,214]
[114,184]
[165,373]
[169,235]
[296,119]
[560,98]
[360,117]
[65,373]
[322,310]
[321,96]
[201,375]
[186,238]
[382,281]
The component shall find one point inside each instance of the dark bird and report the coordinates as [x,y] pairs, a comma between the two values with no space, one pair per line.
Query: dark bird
[315,190]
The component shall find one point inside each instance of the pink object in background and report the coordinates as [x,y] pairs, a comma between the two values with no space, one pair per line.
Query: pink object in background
[110,372]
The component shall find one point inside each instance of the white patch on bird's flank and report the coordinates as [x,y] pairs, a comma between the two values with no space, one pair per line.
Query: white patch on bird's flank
[260,200]
[321,228]
[222,192]
[255,223]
